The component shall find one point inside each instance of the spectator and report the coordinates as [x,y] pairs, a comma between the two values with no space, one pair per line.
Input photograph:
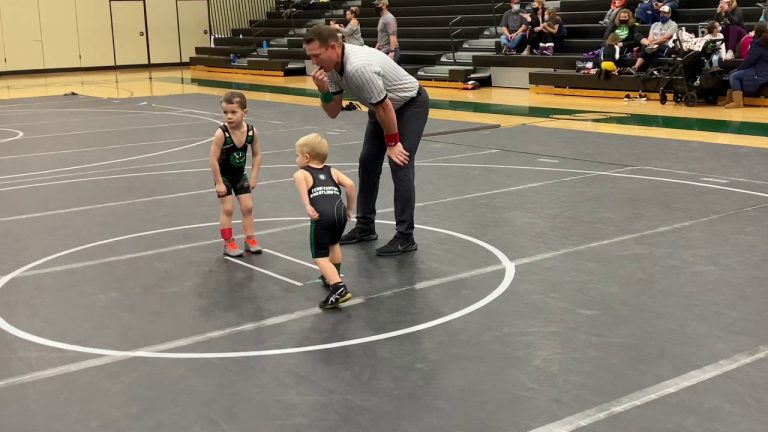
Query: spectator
[551,29]
[742,49]
[387,29]
[609,55]
[514,26]
[713,33]
[352,33]
[616,7]
[535,20]
[753,71]
[659,39]
[729,16]
[650,12]
[625,27]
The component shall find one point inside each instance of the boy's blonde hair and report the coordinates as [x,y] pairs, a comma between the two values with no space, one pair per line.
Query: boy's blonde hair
[613,39]
[315,146]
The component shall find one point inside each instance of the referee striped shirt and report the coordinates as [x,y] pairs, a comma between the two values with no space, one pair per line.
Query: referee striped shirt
[372,77]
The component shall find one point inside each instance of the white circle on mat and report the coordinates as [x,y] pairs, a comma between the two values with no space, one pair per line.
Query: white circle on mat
[19,134]
[509,274]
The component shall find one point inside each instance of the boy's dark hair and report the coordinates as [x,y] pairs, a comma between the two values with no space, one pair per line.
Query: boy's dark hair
[322,34]
[235,98]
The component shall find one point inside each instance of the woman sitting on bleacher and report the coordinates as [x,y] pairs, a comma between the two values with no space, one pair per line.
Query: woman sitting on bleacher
[728,14]
[625,27]
[549,31]
[352,33]
[535,31]
[753,71]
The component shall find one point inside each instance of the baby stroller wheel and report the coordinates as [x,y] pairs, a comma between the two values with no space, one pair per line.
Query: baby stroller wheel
[691,99]
[677,97]
[663,97]
[711,98]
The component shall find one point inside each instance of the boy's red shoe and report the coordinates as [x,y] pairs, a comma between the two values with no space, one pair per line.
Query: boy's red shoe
[252,245]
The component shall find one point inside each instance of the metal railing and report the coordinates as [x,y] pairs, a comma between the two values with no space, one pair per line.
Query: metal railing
[452,34]
[228,14]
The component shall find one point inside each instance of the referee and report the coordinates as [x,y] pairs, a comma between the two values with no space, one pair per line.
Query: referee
[398,108]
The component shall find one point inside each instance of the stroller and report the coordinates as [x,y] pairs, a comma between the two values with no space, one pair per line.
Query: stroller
[692,73]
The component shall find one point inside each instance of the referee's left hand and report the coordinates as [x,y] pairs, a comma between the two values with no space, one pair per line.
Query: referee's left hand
[398,154]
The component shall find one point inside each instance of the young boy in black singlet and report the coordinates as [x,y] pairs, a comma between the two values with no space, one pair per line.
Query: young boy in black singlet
[228,155]
[319,188]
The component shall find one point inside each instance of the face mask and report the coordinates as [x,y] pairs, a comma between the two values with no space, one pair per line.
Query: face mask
[624,21]
[379,8]
[535,9]
[516,7]
[664,19]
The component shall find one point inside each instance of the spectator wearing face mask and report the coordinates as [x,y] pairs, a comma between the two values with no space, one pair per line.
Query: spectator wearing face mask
[650,12]
[535,21]
[387,30]
[514,26]
[713,33]
[659,38]
[626,29]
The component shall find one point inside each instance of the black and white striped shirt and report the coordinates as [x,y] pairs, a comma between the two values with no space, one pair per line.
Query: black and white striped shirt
[372,77]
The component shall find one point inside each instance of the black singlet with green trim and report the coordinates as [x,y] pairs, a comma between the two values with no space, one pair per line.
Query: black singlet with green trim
[325,194]
[232,157]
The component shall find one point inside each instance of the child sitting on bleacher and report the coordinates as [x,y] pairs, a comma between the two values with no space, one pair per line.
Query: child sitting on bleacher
[610,55]
[713,33]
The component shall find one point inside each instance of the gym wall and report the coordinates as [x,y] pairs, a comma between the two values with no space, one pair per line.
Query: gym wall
[37,35]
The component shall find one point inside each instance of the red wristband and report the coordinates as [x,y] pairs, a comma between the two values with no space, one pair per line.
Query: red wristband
[392,139]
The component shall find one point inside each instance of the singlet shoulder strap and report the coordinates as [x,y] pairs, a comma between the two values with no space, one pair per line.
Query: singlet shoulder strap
[250,135]
[228,141]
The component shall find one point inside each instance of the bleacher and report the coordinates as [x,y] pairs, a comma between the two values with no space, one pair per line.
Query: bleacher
[429,32]
[584,35]
[446,41]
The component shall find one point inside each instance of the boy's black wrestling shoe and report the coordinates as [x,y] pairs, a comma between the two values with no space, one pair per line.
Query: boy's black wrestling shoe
[338,295]
[356,235]
[397,246]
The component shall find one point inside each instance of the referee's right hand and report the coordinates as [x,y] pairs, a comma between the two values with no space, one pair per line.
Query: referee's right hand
[320,79]
[398,155]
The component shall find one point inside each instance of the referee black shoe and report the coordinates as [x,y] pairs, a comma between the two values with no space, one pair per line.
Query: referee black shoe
[397,246]
[338,295]
[357,235]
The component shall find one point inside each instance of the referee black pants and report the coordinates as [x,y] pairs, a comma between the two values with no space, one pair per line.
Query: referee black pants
[411,119]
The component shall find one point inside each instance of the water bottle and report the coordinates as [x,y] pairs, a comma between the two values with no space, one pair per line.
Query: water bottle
[233,59]
[264,44]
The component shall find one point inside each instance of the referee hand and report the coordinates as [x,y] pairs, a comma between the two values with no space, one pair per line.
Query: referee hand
[321,80]
[398,154]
